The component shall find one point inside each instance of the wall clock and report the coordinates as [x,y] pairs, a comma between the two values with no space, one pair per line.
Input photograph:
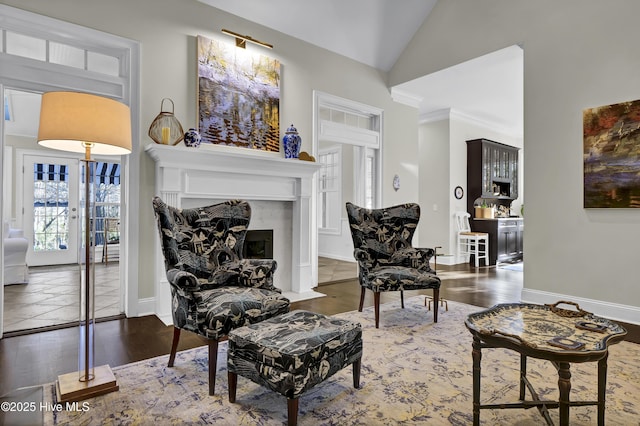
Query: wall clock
[458,192]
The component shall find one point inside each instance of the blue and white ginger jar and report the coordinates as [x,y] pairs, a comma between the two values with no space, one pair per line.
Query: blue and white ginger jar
[192,138]
[292,143]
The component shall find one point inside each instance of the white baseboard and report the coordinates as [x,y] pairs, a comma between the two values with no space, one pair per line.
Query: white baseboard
[146,306]
[166,319]
[613,311]
[296,297]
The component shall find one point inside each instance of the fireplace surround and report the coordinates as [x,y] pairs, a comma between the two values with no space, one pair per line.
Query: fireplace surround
[280,192]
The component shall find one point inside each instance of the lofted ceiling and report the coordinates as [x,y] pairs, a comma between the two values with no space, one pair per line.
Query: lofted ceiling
[488,89]
[375,32]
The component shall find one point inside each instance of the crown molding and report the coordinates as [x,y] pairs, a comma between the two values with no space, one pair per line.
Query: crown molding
[433,116]
[405,98]
[449,113]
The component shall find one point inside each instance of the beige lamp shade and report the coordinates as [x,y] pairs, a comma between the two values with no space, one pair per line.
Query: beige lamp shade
[69,121]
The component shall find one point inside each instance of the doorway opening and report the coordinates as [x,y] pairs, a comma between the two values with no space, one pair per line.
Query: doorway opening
[348,146]
[49,55]
[46,198]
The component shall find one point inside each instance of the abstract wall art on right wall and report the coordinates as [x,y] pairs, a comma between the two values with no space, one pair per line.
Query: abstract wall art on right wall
[612,156]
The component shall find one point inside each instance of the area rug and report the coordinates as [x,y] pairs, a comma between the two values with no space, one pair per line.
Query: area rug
[414,372]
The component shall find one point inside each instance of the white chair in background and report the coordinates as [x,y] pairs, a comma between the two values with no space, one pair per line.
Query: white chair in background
[471,243]
[111,239]
[15,256]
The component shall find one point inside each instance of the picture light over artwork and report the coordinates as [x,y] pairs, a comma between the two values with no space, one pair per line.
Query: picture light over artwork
[241,40]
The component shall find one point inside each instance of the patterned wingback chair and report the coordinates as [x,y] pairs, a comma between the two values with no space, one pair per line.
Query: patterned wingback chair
[213,289]
[386,259]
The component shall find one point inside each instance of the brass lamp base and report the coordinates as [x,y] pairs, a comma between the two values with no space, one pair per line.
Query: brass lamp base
[70,389]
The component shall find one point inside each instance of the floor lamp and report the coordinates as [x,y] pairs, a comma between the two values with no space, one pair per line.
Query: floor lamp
[88,124]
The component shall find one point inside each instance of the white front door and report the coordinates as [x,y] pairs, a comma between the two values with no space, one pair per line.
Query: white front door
[51,206]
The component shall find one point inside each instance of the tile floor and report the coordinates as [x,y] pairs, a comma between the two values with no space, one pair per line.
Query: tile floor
[51,296]
[331,270]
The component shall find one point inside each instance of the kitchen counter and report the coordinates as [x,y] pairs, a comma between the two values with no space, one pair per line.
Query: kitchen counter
[505,237]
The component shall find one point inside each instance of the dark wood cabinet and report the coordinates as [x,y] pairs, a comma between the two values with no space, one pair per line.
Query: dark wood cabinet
[492,172]
[505,238]
[492,175]
[509,240]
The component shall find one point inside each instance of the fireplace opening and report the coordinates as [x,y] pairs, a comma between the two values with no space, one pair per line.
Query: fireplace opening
[258,244]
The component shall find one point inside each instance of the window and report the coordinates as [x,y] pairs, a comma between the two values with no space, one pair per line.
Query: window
[348,118]
[107,203]
[64,54]
[329,189]
[50,207]
[26,46]
[44,50]
[370,179]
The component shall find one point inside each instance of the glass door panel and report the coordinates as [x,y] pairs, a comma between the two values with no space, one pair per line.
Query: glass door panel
[51,210]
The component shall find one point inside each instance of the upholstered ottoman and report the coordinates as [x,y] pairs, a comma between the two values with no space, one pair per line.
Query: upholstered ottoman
[292,353]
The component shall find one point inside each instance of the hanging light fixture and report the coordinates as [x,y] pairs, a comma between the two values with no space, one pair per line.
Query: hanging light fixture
[165,128]
[241,40]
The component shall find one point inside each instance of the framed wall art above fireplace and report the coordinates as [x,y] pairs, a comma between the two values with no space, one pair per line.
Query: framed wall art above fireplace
[238,96]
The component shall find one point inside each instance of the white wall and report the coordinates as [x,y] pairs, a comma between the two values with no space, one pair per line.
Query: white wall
[577,54]
[338,246]
[433,228]
[8,204]
[167,30]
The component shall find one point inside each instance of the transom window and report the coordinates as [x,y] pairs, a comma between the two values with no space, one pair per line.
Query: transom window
[54,52]
[348,118]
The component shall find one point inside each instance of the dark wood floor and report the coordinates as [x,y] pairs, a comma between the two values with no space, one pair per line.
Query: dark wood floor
[39,358]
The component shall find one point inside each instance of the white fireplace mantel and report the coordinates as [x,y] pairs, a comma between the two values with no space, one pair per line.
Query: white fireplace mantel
[190,176]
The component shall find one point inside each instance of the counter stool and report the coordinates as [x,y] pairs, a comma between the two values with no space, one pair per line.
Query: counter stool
[471,243]
[292,353]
